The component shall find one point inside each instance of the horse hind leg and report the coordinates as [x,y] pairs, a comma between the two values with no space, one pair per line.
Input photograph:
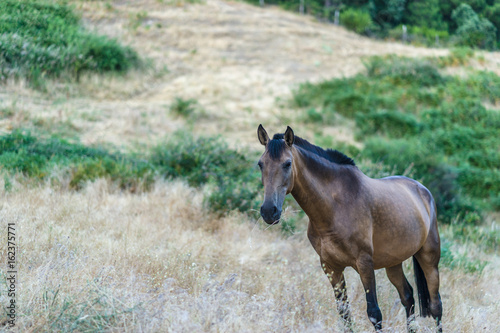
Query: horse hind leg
[426,262]
[405,291]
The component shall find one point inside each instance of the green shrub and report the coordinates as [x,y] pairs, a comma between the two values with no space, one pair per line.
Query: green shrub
[473,31]
[36,158]
[387,12]
[233,183]
[40,38]
[425,14]
[492,14]
[314,116]
[208,160]
[356,20]
[404,71]
[393,123]
[183,107]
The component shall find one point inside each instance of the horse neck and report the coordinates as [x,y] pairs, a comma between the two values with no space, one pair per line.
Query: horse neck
[321,188]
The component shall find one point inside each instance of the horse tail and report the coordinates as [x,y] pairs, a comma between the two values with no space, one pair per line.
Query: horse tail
[423,290]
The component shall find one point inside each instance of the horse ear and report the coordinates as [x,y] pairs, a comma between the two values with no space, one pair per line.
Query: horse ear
[262,134]
[289,136]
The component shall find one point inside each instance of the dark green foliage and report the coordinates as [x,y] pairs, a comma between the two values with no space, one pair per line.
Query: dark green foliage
[387,12]
[40,38]
[392,123]
[183,107]
[314,116]
[425,13]
[414,119]
[472,30]
[356,20]
[428,22]
[234,183]
[37,158]
[492,14]
[209,160]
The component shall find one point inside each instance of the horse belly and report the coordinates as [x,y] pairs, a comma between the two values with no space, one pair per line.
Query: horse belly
[399,239]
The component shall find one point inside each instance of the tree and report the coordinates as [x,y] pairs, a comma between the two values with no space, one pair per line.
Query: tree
[387,13]
[425,13]
[472,30]
[493,15]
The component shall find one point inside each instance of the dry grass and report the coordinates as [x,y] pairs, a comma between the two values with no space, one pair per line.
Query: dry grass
[102,259]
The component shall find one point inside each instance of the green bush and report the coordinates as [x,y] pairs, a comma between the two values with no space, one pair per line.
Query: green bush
[393,123]
[387,12]
[208,160]
[426,15]
[183,107]
[36,158]
[473,31]
[233,183]
[492,14]
[404,71]
[356,20]
[40,38]
[314,116]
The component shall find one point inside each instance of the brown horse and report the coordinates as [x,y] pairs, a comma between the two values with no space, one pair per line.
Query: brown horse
[356,221]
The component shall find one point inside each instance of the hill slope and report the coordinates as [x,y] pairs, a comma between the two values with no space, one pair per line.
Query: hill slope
[235,59]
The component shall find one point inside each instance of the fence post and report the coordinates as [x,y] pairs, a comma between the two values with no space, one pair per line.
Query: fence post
[336,20]
[301,7]
[405,34]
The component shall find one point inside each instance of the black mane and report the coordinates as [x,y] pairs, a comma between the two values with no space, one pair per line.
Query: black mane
[277,145]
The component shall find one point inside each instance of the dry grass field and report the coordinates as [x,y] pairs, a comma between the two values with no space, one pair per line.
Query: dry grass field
[104,259]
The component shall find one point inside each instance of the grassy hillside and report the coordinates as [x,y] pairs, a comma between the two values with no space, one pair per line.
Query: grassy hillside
[133,197]
[40,38]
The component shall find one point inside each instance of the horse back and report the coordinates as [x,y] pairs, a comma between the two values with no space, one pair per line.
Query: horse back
[414,190]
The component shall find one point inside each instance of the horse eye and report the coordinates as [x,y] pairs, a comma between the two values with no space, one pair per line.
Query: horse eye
[287,164]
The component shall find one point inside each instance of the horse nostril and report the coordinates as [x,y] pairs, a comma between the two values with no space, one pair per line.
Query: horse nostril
[275,209]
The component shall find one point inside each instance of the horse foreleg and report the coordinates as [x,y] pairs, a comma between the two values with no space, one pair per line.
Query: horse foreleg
[367,274]
[398,279]
[337,280]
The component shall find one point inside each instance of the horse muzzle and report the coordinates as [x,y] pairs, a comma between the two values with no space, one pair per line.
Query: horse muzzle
[270,213]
